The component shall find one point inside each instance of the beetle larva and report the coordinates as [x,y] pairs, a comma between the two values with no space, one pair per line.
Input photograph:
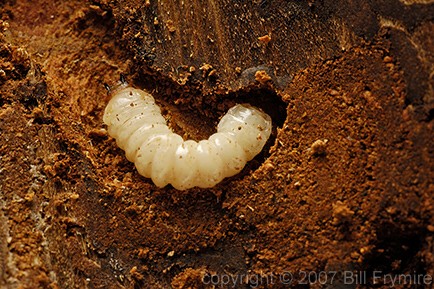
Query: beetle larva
[135,121]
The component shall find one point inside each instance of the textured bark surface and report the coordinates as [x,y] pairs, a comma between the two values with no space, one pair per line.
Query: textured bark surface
[345,183]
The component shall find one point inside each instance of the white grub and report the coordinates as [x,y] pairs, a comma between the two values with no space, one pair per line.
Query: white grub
[135,121]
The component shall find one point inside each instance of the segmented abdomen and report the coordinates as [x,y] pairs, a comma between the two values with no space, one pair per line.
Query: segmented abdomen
[135,121]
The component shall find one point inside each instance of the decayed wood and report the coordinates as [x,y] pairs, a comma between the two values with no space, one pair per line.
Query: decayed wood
[345,184]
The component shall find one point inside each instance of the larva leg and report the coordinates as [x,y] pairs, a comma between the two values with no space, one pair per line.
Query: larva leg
[135,121]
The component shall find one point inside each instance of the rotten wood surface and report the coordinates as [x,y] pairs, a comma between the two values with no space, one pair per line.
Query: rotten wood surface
[344,184]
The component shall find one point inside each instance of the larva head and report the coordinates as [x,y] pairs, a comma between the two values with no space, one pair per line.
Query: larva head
[123,99]
[250,126]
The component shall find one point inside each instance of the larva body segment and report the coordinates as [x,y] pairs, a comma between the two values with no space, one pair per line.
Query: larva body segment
[162,171]
[135,121]
[137,138]
[209,165]
[231,154]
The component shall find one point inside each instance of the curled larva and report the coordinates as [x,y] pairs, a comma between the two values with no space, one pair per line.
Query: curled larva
[135,121]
